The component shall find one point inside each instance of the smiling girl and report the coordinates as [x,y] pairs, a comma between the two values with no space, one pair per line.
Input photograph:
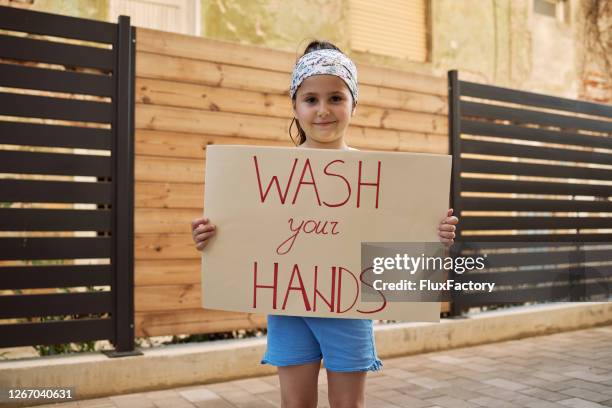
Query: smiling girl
[324,93]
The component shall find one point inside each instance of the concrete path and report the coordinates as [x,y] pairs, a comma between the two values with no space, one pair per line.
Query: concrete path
[572,369]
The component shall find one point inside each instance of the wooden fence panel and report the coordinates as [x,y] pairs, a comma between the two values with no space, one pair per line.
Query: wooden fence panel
[192,92]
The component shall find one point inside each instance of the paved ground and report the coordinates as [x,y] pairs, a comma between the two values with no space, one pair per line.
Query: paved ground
[563,370]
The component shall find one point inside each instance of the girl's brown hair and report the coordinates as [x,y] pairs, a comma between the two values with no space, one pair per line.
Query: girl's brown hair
[313,46]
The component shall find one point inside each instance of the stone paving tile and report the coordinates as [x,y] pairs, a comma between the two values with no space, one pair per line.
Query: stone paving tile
[585,394]
[580,403]
[450,402]
[572,369]
[542,394]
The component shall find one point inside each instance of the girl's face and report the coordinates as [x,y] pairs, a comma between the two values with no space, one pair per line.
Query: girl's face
[324,106]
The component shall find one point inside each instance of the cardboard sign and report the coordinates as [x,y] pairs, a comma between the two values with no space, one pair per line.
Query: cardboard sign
[290,222]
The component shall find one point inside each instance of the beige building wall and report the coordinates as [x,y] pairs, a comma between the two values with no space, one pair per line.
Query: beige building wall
[502,42]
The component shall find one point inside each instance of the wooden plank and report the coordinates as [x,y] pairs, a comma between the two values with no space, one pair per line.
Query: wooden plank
[210,73]
[212,98]
[54,248]
[400,99]
[530,169]
[228,124]
[533,223]
[519,204]
[276,61]
[170,93]
[34,134]
[43,191]
[473,127]
[54,332]
[190,145]
[36,22]
[54,276]
[395,140]
[167,272]
[187,46]
[522,238]
[195,321]
[496,112]
[55,304]
[218,123]
[534,99]
[164,220]
[534,187]
[28,49]
[165,246]
[22,76]
[34,219]
[24,162]
[534,152]
[33,106]
[167,297]
[169,195]
[150,168]
[409,81]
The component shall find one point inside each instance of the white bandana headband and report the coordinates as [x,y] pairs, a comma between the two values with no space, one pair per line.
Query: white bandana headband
[325,62]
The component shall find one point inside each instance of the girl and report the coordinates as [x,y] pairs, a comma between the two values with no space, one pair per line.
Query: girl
[324,94]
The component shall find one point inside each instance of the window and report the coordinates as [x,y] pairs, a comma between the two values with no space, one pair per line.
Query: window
[395,28]
[179,16]
[552,8]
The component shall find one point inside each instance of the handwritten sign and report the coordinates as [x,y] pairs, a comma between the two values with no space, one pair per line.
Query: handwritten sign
[290,222]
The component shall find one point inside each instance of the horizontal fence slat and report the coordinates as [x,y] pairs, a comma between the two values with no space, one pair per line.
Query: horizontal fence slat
[37,22]
[479,128]
[484,110]
[557,275]
[20,219]
[274,61]
[55,304]
[34,134]
[533,99]
[195,320]
[536,238]
[529,169]
[27,248]
[55,332]
[54,108]
[534,187]
[482,223]
[549,257]
[23,162]
[28,49]
[21,76]
[533,152]
[522,204]
[560,293]
[36,191]
[54,276]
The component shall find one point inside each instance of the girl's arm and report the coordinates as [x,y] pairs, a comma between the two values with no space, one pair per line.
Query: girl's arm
[201,232]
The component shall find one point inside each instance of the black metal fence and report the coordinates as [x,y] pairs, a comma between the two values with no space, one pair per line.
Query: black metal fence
[532,182]
[66,180]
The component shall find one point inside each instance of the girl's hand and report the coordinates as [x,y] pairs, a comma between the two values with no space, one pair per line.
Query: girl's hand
[201,232]
[446,229]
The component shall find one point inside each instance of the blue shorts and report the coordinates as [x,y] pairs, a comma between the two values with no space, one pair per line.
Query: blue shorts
[343,344]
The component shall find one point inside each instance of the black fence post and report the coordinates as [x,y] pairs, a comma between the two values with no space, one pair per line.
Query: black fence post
[123,199]
[454,136]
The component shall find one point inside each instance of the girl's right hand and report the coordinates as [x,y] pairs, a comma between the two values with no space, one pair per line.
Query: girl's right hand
[201,232]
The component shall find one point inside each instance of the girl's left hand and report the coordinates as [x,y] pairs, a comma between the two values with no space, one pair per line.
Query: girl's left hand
[446,229]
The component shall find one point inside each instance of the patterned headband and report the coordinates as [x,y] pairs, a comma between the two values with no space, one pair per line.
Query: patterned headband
[325,62]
